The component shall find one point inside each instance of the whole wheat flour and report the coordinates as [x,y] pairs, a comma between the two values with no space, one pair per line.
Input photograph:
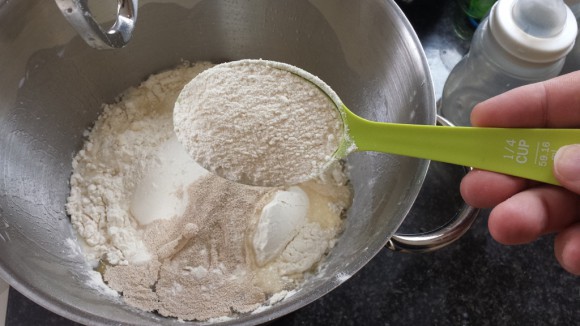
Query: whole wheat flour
[251,122]
[174,239]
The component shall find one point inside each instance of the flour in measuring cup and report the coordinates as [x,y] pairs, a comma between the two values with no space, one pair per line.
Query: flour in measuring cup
[257,124]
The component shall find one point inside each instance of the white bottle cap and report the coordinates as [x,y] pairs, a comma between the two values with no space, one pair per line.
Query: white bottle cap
[539,31]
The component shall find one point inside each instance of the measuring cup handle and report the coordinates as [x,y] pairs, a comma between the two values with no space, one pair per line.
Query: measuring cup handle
[78,14]
[440,237]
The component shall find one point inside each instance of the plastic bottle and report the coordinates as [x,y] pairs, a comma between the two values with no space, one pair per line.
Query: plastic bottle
[520,42]
[573,58]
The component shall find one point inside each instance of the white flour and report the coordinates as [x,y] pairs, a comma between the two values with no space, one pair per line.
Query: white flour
[113,160]
[176,240]
[251,122]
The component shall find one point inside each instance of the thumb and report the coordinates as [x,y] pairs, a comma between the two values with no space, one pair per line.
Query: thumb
[567,167]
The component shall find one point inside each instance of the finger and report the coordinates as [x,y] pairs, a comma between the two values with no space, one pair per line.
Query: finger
[553,103]
[533,212]
[567,249]
[567,167]
[485,189]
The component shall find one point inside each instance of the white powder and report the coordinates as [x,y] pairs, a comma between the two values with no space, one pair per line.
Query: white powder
[176,240]
[254,122]
[113,160]
[96,282]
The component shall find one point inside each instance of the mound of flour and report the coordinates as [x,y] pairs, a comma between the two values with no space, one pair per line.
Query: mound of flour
[113,160]
[180,243]
[254,122]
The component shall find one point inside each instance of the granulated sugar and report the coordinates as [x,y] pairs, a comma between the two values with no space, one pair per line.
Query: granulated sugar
[176,240]
[251,122]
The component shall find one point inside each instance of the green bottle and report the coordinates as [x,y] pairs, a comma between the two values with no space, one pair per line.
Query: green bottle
[476,9]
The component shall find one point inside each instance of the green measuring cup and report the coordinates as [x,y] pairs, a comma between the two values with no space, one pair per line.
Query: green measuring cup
[522,152]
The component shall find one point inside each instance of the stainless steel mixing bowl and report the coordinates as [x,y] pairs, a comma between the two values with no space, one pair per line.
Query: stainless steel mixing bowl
[52,86]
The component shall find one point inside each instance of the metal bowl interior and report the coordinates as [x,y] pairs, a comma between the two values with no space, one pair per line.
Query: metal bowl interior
[52,87]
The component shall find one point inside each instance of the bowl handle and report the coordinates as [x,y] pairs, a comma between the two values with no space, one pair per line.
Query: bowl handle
[440,237]
[78,14]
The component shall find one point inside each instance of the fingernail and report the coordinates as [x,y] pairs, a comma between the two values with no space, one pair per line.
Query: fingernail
[567,162]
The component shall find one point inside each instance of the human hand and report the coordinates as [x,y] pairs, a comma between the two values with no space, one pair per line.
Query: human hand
[523,209]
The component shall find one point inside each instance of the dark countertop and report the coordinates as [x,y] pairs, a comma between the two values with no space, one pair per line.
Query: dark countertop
[474,281]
